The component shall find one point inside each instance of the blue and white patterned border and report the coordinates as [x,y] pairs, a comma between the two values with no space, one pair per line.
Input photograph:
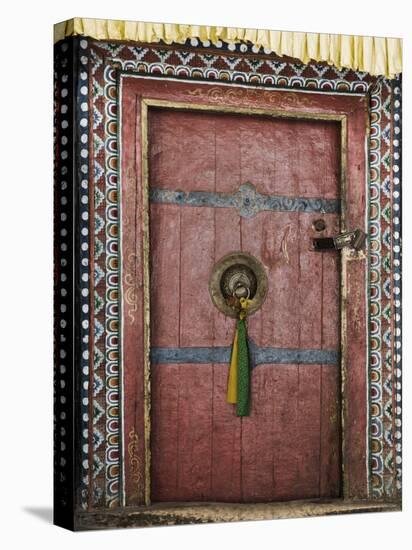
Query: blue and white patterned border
[113,465]
[375,309]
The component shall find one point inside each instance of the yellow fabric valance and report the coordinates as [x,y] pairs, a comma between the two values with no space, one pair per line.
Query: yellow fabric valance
[375,55]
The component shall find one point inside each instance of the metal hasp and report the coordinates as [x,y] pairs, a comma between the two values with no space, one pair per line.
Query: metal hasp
[353,239]
[238,275]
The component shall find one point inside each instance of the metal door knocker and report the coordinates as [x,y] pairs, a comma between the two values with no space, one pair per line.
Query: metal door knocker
[235,276]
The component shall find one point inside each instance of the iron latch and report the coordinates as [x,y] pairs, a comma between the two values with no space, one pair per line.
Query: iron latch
[353,239]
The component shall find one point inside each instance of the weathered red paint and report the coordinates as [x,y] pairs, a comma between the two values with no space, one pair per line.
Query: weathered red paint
[330,448]
[289,447]
[132,284]
[356,419]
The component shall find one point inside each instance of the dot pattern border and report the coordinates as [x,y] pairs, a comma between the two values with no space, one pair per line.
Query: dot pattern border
[63,371]
[397,275]
[82,164]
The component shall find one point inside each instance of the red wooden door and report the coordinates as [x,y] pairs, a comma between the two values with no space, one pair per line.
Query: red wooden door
[289,446]
[231,167]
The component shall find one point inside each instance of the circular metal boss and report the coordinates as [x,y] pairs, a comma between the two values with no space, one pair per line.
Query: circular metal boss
[234,276]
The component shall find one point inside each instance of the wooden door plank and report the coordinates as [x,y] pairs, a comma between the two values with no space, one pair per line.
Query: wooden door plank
[226,427]
[251,230]
[194,432]
[308,430]
[330,443]
[331,156]
[164,144]
[257,429]
[227,156]
[316,160]
[180,135]
[258,437]
[279,254]
[195,380]
[310,286]
[286,436]
[197,259]
[286,137]
[257,154]
[227,241]
[165,274]
[226,457]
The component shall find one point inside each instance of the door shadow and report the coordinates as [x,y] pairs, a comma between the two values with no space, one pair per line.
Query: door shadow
[44,513]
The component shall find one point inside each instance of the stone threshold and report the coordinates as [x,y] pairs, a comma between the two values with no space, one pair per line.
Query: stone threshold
[213,512]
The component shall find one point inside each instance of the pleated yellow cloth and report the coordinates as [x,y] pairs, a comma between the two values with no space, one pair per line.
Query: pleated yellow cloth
[372,54]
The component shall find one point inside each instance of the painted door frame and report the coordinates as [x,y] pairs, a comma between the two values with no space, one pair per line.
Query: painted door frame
[139,93]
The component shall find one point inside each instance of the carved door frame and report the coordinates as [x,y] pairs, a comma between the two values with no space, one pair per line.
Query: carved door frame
[139,93]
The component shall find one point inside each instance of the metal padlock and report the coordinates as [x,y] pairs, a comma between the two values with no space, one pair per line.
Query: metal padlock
[352,239]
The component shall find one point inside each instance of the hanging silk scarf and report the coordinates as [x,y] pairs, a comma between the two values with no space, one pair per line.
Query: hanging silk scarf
[238,387]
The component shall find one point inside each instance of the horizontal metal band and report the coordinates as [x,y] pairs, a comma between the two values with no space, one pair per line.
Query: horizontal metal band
[258,355]
[247,200]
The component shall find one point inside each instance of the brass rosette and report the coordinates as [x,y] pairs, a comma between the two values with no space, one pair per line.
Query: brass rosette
[238,275]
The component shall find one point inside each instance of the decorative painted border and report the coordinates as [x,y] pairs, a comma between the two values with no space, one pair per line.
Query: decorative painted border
[397,275]
[375,310]
[113,465]
[98,346]
[105,60]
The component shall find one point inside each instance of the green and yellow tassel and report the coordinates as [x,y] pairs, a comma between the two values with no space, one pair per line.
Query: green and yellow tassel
[238,387]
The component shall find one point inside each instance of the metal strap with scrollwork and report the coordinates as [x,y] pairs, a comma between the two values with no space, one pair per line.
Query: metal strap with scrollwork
[259,355]
[247,200]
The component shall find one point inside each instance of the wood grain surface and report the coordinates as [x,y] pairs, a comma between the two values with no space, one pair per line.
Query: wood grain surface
[288,447]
